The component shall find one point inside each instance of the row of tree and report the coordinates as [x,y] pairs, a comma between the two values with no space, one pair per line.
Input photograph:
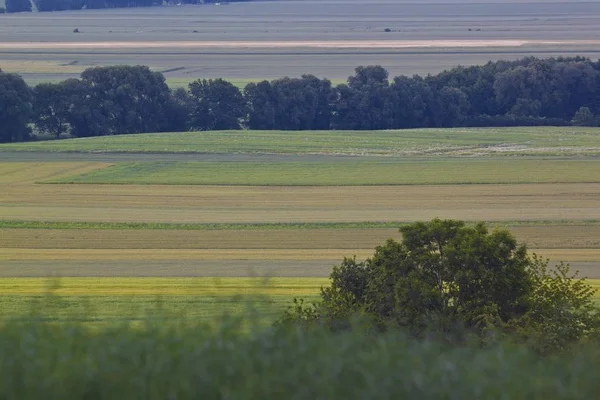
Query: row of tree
[134,99]
[13,6]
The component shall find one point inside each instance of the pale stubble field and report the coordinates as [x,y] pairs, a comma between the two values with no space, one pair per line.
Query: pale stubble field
[266,40]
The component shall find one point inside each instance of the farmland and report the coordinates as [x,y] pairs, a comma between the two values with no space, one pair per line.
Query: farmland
[125,220]
[250,41]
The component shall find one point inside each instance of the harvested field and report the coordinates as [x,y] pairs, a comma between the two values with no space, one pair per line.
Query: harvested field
[259,204]
[345,239]
[257,40]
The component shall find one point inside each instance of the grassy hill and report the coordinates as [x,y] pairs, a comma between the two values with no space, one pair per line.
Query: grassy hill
[565,141]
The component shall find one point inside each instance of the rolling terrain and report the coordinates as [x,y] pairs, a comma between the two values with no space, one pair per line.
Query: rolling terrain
[244,204]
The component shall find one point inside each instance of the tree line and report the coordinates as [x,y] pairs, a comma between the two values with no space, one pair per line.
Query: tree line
[133,99]
[12,6]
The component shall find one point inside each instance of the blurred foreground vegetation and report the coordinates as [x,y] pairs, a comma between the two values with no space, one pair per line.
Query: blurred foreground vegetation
[237,359]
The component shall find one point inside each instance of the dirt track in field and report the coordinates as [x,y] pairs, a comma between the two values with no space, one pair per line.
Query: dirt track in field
[322,44]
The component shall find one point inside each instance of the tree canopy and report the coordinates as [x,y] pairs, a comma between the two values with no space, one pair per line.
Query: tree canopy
[444,275]
[15,108]
[133,99]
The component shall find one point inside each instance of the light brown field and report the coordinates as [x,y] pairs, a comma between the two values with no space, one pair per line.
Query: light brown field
[280,252]
[342,241]
[22,199]
[272,39]
[316,44]
[189,204]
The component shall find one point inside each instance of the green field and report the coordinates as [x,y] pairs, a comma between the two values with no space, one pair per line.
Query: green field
[547,141]
[347,173]
[149,220]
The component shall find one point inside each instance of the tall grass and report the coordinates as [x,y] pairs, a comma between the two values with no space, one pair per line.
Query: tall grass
[170,360]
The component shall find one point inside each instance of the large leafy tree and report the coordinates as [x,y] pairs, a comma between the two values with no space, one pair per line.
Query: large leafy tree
[126,99]
[365,102]
[261,103]
[15,108]
[444,274]
[216,105]
[57,105]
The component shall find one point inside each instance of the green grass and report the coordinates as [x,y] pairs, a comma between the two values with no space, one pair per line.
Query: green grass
[462,142]
[346,173]
[237,360]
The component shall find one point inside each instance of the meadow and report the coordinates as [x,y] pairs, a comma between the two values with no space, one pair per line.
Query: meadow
[126,220]
[547,141]
[405,171]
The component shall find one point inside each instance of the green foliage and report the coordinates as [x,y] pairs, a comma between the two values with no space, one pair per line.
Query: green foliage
[562,310]
[55,106]
[584,117]
[216,105]
[15,108]
[165,359]
[446,277]
[289,104]
[126,99]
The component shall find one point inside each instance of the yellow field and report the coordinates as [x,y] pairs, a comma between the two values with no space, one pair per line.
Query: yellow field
[162,286]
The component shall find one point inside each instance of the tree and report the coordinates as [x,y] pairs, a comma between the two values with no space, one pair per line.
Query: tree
[365,102]
[302,103]
[217,105]
[125,99]
[13,6]
[583,117]
[260,101]
[15,108]
[179,110]
[54,105]
[445,274]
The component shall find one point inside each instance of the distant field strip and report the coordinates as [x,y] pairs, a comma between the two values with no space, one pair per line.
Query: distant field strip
[298,204]
[105,299]
[25,254]
[326,44]
[544,236]
[398,172]
[161,286]
[563,141]
[102,299]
